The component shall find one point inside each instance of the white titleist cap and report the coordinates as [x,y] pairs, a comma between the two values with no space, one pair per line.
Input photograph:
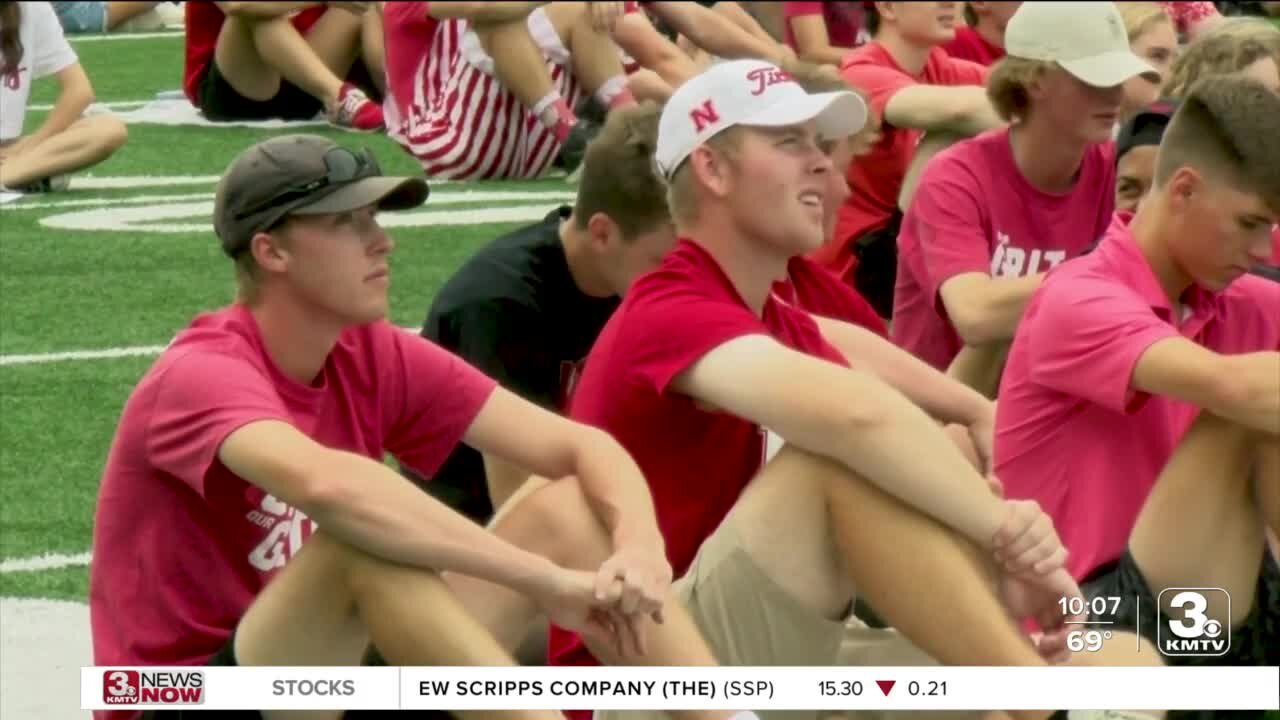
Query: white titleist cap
[748,92]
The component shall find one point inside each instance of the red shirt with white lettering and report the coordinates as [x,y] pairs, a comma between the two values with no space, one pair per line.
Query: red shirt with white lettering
[697,461]
[968,44]
[181,545]
[202,25]
[974,212]
[876,177]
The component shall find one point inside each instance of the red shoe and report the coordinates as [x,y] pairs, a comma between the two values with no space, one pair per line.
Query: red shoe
[356,110]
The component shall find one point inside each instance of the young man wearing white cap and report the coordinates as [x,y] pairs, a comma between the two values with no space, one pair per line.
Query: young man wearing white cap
[992,213]
[770,555]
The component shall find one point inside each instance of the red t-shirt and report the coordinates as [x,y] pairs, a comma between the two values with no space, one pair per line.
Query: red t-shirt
[876,177]
[181,545]
[697,462]
[969,44]
[845,24]
[974,211]
[203,23]
[818,291]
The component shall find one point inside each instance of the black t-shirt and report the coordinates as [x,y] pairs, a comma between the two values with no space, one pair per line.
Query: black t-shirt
[513,311]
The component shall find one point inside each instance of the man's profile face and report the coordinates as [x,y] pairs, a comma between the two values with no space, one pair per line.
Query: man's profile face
[779,189]
[1223,233]
[338,264]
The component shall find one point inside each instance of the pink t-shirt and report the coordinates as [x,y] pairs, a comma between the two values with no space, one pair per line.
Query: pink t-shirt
[1071,432]
[974,211]
[697,461]
[181,545]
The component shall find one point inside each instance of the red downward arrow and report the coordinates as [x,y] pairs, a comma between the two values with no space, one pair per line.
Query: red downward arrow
[885,686]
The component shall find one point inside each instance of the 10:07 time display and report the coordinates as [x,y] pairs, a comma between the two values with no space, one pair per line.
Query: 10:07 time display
[1096,606]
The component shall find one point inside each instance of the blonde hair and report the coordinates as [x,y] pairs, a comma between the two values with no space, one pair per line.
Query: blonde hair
[1232,46]
[1007,86]
[1140,17]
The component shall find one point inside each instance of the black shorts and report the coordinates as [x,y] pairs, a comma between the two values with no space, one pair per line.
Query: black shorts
[877,269]
[220,102]
[1256,642]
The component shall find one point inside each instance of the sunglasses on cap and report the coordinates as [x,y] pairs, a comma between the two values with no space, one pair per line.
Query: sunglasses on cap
[342,166]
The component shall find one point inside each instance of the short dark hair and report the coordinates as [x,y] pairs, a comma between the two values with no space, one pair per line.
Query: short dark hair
[618,175]
[1225,127]
[871,18]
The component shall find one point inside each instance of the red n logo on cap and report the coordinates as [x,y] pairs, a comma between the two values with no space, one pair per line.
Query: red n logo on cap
[704,115]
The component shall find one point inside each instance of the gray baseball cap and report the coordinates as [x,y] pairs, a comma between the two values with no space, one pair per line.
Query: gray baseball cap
[302,175]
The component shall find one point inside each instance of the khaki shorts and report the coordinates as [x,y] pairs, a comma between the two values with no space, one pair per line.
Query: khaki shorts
[749,620]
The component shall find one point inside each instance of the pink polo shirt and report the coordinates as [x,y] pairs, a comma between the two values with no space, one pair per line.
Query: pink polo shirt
[1071,432]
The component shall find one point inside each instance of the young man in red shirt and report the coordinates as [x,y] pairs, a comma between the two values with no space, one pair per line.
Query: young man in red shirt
[1141,402]
[286,60]
[271,532]
[692,400]
[915,89]
[992,213]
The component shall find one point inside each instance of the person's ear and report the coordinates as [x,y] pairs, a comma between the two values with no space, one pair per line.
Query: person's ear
[1184,189]
[269,251]
[711,169]
[603,231]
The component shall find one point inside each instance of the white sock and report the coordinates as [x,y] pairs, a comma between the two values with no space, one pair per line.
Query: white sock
[744,715]
[545,110]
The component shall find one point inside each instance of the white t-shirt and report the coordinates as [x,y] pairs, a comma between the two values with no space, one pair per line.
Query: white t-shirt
[45,51]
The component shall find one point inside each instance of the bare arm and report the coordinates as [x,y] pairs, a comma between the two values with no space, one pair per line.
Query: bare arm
[980,367]
[371,507]
[482,12]
[813,44]
[984,309]
[549,445]
[1241,388]
[262,9]
[715,33]
[75,94]
[940,396]
[637,36]
[853,418]
[962,109]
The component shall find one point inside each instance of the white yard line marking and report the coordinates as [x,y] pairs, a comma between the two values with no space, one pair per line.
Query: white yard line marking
[103,354]
[140,181]
[125,36]
[106,354]
[48,561]
[118,105]
[440,198]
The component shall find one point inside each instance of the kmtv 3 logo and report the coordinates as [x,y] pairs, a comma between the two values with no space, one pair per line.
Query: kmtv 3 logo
[132,687]
[1188,630]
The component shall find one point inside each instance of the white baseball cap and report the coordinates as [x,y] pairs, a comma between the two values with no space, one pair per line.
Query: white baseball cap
[1088,39]
[747,92]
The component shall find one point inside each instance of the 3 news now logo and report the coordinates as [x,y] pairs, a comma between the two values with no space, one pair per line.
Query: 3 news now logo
[1189,631]
[131,687]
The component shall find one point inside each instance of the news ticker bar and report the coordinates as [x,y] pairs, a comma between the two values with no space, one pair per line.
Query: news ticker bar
[681,688]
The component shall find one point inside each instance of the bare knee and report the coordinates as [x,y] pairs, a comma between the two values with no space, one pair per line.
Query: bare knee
[556,521]
[110,132]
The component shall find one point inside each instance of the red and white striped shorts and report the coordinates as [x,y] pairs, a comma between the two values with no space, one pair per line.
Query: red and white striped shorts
[464,125]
